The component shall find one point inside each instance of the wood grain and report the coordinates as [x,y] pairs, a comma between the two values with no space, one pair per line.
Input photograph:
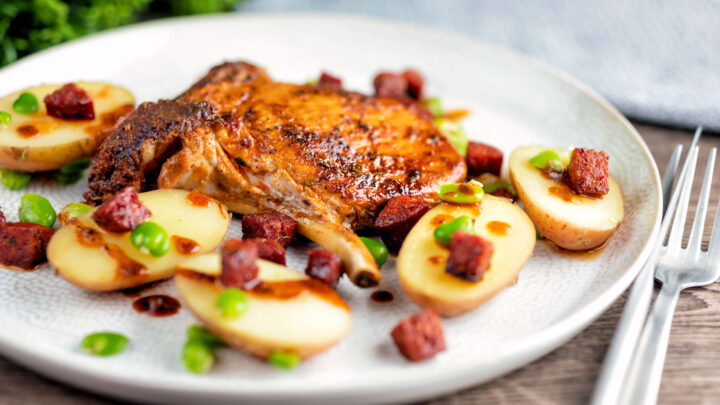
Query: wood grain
[565,376]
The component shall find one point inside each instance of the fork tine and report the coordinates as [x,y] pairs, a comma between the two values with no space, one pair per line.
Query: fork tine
[670,172]
[696,234]
[678,226]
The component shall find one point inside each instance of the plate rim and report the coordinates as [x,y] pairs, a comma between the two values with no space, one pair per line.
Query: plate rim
[58,364]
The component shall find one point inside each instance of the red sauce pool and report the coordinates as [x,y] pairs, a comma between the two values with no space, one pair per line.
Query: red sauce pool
[382,296]
[157,305]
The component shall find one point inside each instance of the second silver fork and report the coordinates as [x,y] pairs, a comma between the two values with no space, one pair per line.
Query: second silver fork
[678,268]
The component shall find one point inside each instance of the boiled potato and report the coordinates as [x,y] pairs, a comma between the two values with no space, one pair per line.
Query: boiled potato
[102,267]
[571,221]
[60,141]
[307,323]
[421,262]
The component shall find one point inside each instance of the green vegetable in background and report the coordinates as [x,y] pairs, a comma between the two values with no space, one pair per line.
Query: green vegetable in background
[36,209]
[198,354]
[200,334]
[284,360]
[72,172]
[14,180]
[104,343]
[455,133]
[27,26]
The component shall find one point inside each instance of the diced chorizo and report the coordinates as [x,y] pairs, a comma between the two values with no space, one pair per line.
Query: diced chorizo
[483,158]
[123,212]
[325,266]
[273,226]
[390,85]
[70,102]
[330,81]
[469,256]
[420,336]
[588,172]
[396,220]
[504,192]
[23,244]
[239,269]
[269,250]
[415,84]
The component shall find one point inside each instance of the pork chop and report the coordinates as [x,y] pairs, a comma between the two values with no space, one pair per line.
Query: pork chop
[327,158]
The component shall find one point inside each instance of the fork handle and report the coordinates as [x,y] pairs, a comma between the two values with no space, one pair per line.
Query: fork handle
[644,377]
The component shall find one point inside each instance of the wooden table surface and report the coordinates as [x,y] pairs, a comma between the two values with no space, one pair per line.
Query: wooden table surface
[565,376]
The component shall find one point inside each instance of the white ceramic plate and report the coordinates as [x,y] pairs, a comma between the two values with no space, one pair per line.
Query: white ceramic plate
[514,100]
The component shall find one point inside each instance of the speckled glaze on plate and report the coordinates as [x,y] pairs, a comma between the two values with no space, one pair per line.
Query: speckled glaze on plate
[514,101]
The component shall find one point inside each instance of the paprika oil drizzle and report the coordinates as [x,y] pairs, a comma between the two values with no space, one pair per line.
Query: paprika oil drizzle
[185,246]
[157,305]
[498,228]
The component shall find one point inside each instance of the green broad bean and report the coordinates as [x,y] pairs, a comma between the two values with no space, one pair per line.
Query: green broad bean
[461,193]
[232,303]
[284,360]
[5,118]
[104,343]
[198,357]
[377,249]
[541,159]
[151,238]
[443,233]
[36,209]
[26,103]
[13,180]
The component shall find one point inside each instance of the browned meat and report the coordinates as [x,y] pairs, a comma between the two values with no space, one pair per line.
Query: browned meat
[239,269]
[273,226]
[397,219]
[327,158]
[324,266]
[469,256]
[483,158]
[588,172]
[123,212]
[23,244]
[420,336]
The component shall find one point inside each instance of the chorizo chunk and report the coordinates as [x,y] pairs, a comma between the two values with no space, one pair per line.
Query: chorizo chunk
[469,256]
[123,212]
[70,102]
[415,84]
[325,266]
[420,336]
[269,250]
[397,219]
[483,158]
[239,269]
[330,81]
[23,244]
[588,172]
[391,85]
[273,226]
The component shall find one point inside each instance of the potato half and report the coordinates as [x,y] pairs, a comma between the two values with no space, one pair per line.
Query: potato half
[571,221]
[308,321]
[60,141]
[113,263]
[421,262]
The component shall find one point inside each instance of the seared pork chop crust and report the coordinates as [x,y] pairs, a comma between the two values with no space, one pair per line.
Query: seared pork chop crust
[328,158]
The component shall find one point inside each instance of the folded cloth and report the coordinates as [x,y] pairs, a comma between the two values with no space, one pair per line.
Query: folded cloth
[656,60]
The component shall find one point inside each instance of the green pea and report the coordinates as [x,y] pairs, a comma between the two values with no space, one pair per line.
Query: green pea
[72,210]
[284,360]
[198,357]
[150,237]
[433,105]
[5,118]
[36,209]
[541,159]
[443,233]
[196,333]
[232,303]
[76,166]
[455,133]
[104,343]
[26,103]
[491,187]
[14,180]
[461,193]
[377,249]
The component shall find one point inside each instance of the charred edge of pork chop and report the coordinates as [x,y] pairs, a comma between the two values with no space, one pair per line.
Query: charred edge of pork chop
[134,153]
[230,74]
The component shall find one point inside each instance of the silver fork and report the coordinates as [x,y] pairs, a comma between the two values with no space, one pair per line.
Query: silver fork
[677,268]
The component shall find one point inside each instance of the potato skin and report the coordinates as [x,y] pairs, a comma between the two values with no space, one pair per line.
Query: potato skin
[564,234]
